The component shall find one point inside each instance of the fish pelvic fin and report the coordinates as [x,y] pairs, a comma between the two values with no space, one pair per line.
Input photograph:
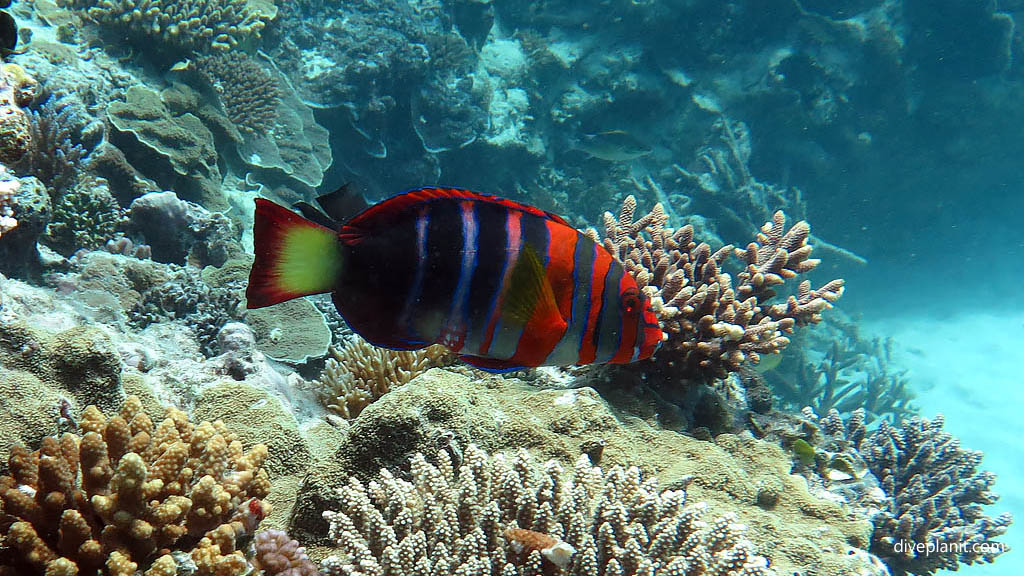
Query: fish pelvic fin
[530,296]
[294,257]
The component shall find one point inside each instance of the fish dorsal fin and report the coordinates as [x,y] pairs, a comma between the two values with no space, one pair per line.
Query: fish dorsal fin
[315,214]
[529,292]
[411,198]
[334,208]
[343,204]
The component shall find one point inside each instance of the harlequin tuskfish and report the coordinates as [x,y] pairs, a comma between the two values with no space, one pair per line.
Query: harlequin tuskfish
[503,284]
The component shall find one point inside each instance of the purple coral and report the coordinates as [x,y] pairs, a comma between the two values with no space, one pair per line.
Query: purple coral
[279,555]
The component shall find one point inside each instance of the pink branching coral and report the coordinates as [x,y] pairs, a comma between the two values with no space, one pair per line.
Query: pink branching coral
[715,322]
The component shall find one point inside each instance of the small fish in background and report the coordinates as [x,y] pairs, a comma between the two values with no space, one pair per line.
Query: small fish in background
[505,285]
[612,146]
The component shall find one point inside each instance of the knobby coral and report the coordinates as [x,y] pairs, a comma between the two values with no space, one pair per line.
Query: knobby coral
[510,516]
[716,323]
[360,373]
[124,493]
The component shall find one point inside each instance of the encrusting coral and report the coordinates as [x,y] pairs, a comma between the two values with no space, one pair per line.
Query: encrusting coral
[716,323]
[360,373]
[249,94]
[125,493]
[511,516]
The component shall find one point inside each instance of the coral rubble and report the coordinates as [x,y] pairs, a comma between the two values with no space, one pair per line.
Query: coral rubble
[491,514]
[125,491]
[716,323]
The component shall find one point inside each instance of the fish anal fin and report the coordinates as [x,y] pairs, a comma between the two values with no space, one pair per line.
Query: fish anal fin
[529,295]
[492,365]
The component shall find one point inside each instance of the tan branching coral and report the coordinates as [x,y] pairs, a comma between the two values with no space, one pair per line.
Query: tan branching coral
[360,373]
[513,517]
[191,24]
[249,95]
[716,323]
[126,492]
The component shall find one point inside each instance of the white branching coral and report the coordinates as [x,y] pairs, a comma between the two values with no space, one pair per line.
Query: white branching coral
[8,187]
[513,517]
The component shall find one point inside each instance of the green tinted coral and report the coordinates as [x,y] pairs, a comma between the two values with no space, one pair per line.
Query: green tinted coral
[190,24]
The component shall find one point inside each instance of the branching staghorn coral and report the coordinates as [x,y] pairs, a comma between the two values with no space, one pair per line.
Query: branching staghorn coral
[124,492]
[933,518]
[249,94]
[514,517]
[715,323]
[191,24]
[360,373]
[937,494]
[56,153]
[852,374]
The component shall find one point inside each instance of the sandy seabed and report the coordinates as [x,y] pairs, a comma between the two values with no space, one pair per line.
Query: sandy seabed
[969,368]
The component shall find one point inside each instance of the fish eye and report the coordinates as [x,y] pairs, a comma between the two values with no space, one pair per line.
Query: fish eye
[629,301]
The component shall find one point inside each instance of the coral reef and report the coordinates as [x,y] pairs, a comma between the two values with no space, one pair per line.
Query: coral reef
[293,331]
[60,133]
[183,232]
[121,494]
[715,323]
[485,514]
[8,188]
[852,373]
[15,127]
[176,150]
[360,373]
[440,408]
[85,217]
[249,95]
[193,25]
[935,519]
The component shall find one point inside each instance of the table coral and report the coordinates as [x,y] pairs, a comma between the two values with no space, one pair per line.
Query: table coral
[715,322]
[124,492]
[512,516]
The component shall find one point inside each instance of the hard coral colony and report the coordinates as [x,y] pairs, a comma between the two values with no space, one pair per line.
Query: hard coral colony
[491,388]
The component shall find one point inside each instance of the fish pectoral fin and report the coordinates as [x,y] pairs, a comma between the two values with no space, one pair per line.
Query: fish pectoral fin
[530,293]
[492,365]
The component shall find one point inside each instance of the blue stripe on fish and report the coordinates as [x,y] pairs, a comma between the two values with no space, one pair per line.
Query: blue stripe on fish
[611,317]
[454,335]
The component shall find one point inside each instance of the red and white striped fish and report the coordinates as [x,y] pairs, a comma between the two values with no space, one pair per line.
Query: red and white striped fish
[503,284]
